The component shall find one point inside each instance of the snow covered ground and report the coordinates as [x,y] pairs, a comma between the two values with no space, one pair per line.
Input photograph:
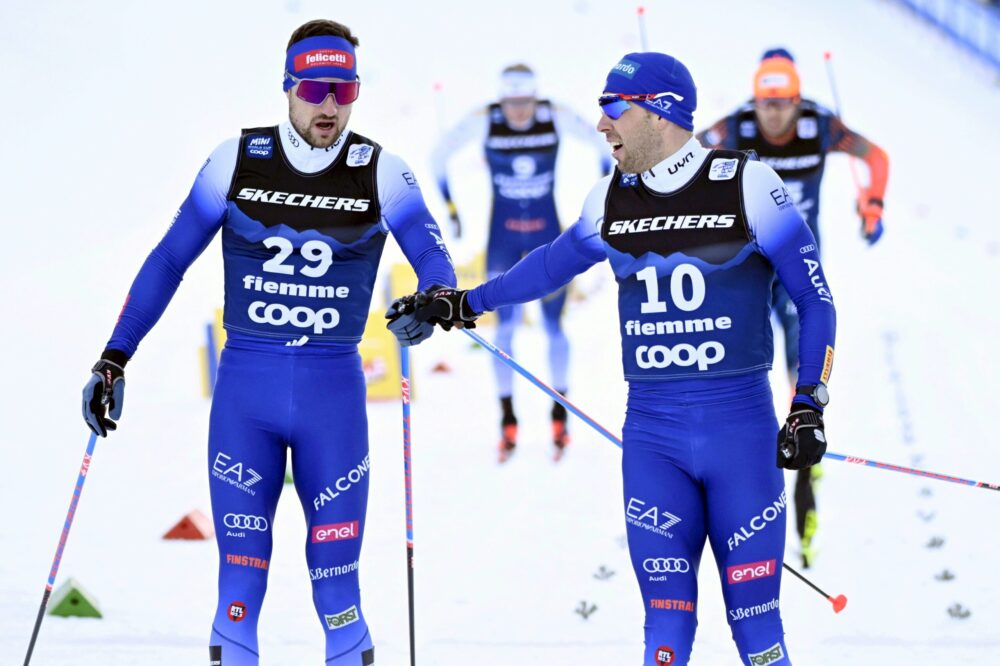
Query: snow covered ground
[111,107]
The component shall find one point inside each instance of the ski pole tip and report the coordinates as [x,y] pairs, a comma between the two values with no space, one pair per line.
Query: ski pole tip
[640,10]
[437,86]
[839,603]
[827,55]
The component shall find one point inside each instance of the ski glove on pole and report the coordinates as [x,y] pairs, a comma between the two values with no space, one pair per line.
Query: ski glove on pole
[870,211]
[801,442]
[404,324]
[104,393]
[446,307]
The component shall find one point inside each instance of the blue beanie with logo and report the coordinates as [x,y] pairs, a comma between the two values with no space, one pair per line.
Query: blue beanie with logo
[659,74]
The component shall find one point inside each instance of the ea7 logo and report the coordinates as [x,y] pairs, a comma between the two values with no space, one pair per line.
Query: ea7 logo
[769,656]
[235,474]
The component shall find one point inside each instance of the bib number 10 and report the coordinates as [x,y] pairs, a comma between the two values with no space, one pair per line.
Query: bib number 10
[683,272]
[313,251]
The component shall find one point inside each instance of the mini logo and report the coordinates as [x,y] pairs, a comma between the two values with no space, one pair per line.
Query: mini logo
[626,68]
[324,58]
[342,619]
[769,656]
[741,573]
[335,532]
[628,180]
[664,655]
[722,169]
[259,147]
[359,154]
[807,128]
[237,611]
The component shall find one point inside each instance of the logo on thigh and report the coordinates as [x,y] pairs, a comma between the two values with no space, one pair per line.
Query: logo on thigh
[664,655]
[769,656]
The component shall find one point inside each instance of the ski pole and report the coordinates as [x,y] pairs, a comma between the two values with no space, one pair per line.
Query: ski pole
[828,59]
[404,358]
[641,11]
[559,397]
[62,543]
[839,602]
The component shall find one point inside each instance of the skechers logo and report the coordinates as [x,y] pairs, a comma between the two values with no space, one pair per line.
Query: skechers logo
[671,222]
[304,200]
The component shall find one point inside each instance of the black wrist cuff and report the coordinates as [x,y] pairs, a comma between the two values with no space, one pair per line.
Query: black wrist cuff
[117,357]
[876,201]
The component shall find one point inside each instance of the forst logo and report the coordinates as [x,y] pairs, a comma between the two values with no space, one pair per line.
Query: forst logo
[335,532]
[664,655]
[769,656]
[324,58]
[342,619]
[741,573]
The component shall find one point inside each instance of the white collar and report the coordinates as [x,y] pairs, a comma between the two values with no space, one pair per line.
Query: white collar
[304,157]
[674,172]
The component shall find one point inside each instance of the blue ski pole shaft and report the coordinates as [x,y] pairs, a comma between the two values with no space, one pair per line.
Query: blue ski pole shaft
[558,397]
[404,358]
[57,560]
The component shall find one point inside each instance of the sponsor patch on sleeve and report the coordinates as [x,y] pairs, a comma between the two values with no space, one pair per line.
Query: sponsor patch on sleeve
[359,154]
[722,169]
[827,365]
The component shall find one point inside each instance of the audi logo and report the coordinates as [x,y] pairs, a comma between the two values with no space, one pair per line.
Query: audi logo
[666,565]
[239,521]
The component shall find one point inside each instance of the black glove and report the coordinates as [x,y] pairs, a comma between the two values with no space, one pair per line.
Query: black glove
[446,307]
[104,393]
[403,323]
[456,223]
[801,442]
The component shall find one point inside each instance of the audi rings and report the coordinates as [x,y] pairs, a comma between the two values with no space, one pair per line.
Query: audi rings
[666,565]
[239,521]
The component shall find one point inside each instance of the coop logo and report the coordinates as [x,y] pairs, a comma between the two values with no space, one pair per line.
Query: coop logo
[741,573]
[342,485]
[683,355]
[260,147]
[237,611]
[342,619]
[335,532]
[279,314]
[303,200]
[759,522]
[666,565]
[235,474]
[671,223]
[241,521]
[664,655]
[651,519]
[769,656]
[324,58]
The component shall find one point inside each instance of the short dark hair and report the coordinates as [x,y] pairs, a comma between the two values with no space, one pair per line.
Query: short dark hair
[519,67]
[322,28]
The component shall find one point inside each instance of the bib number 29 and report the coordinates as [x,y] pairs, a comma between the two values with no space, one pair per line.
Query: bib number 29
[683,273]
[313,251]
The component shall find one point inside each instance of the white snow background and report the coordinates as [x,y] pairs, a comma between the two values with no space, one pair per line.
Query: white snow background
[109,110]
